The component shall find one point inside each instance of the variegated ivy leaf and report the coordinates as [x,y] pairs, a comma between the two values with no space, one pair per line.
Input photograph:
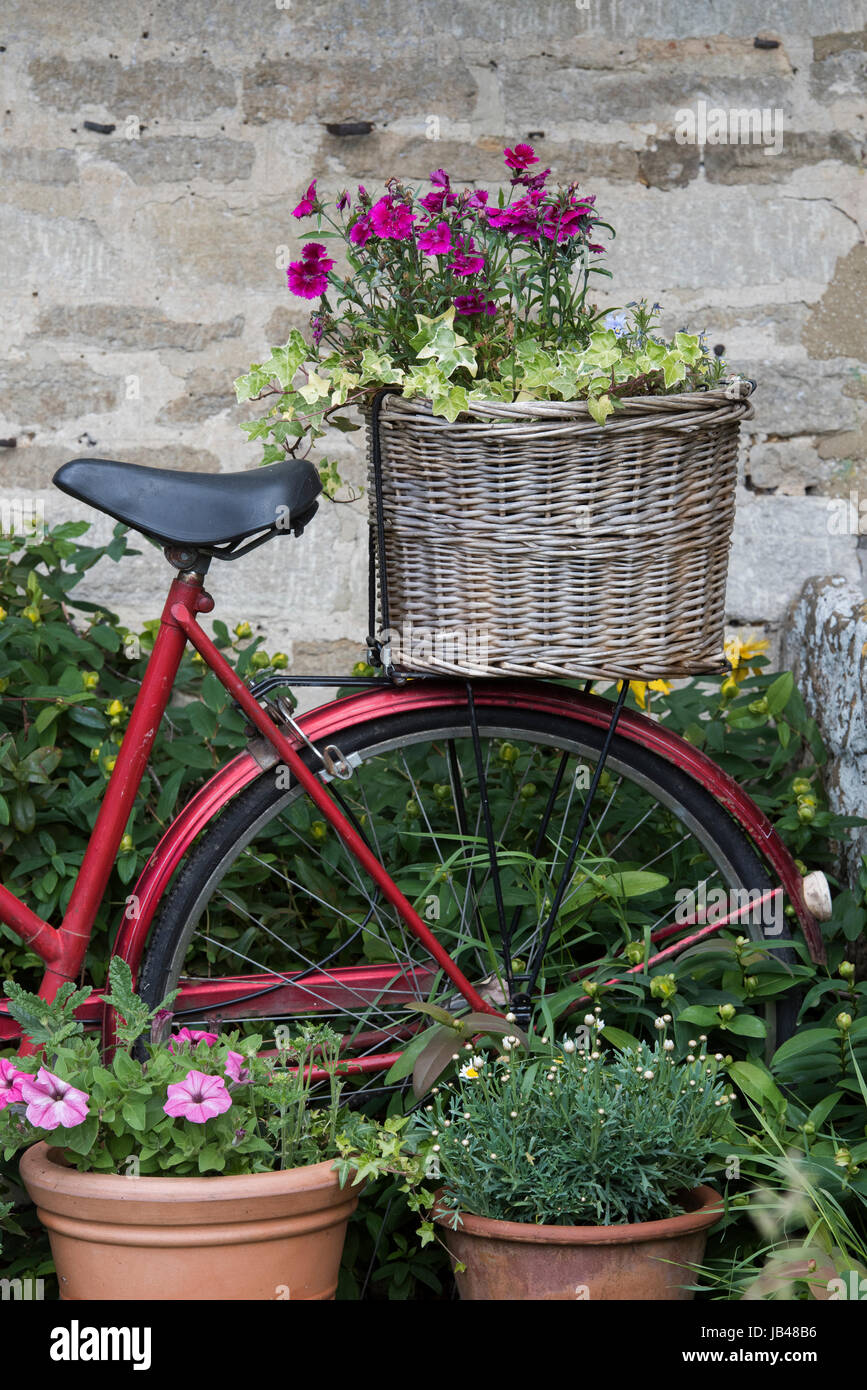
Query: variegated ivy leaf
[449,350]
[673,370]
[378,367]
[285,361]
[249,386]
[427,327]
[316,389]
[600,407]
[342,383]
[451,402]
[688,346]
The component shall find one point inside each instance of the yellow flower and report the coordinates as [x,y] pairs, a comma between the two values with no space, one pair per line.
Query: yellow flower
[3,614]
[740,654]
[640,688]
[115,708]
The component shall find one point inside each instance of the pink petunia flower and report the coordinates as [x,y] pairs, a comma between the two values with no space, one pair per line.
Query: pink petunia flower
[307,204]
[192,1036]
[198,1097]
[307,279]
[474,303]
[436,241]
[235,1069]
[52,1102]
[440,179]
[478,199]
[361,231]
[391,220]
[10,1083]
[520,157]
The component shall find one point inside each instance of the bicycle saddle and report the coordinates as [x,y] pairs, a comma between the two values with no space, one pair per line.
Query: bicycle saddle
[204,509]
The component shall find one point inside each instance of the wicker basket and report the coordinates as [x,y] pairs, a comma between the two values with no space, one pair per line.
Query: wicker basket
[530,541]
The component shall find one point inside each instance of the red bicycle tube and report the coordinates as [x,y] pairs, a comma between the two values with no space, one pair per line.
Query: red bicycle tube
[325,803]
[123,785]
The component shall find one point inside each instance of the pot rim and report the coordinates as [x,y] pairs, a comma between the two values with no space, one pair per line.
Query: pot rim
[44,1164]
[708,1207]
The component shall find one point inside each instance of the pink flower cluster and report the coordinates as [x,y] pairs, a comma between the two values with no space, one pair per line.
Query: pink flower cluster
[308,278]
[50,1101]
[200,1096]
[443,228]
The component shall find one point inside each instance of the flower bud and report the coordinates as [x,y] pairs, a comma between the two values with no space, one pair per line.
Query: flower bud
[843,1022]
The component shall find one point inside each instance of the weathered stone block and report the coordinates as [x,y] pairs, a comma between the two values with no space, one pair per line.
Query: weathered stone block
[779,543]
[334,89]
[799,397]
[43,395]
[30,165]
[839,67]
[176,159]
[178,91]
[122,328]
[665,164]
[838,324]
[207,393]
[789,467]
[750,163]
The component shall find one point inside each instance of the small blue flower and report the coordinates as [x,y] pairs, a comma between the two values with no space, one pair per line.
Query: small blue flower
[618,323]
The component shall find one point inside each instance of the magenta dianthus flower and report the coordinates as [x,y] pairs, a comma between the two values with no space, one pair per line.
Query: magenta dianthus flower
[390,219]
[520,157]
[436,241]
[307,204]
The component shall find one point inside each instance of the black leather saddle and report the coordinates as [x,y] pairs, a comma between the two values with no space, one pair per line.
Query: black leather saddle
[198,509]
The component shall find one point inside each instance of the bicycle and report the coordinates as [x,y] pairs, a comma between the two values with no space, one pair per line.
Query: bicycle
[417,841]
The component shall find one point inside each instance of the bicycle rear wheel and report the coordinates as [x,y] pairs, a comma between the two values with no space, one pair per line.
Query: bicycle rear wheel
[271,922]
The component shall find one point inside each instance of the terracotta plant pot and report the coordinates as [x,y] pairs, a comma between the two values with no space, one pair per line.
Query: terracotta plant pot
[256,1236]
[517,1260]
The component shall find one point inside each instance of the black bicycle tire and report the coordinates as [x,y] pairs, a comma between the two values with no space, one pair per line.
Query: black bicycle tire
[254,800]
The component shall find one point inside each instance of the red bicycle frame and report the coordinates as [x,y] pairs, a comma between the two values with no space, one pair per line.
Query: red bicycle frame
[63,948]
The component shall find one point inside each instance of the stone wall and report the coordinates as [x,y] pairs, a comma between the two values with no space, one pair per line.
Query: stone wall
[151,154]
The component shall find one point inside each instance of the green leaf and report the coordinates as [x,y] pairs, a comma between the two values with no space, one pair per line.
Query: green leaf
[757,1083]
[600,408]
[779,693]
[211,1159]
[620,1039]
[805,1041]
[79,1139]
[747,1026]
[134,1111]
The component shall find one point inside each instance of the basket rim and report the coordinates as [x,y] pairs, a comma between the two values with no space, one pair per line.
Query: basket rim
[675,405]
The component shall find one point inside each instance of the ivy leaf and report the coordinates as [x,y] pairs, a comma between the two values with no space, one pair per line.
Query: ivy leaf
[600,408]
[285,361]
[317,388]
[249,386]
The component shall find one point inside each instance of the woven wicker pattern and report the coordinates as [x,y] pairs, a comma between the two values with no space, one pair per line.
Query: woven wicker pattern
[534,542]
